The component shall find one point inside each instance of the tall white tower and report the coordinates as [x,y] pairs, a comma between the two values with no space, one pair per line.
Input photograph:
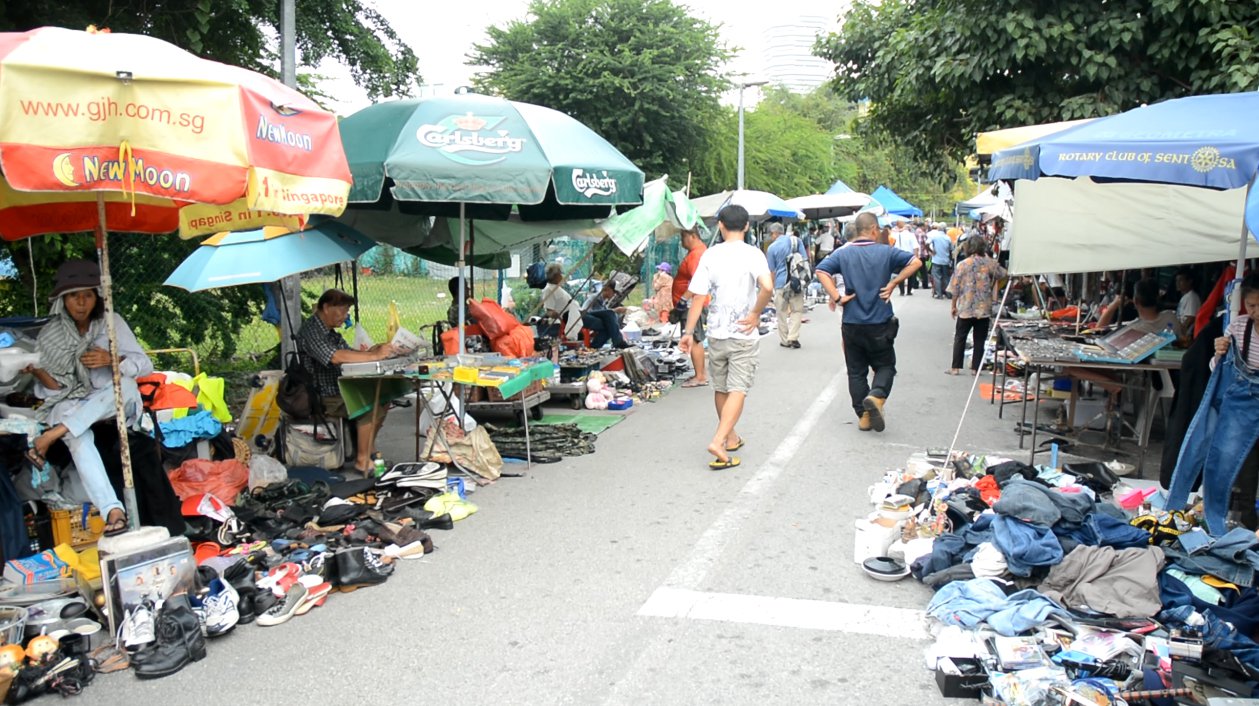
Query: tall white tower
[787,52]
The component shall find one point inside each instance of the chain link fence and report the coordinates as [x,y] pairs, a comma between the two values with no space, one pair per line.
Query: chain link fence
[233,332]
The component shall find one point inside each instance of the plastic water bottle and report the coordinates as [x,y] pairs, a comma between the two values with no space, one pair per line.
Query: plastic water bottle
[378,464]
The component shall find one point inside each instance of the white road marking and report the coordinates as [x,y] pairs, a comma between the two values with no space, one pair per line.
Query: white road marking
[882,621]
[694,569]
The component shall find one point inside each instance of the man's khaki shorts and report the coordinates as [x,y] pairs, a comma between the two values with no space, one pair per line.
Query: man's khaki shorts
[732,363]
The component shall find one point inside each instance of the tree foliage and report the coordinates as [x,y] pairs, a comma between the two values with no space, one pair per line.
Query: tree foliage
[798,144]
[938,71]
[641,73]
[242,32]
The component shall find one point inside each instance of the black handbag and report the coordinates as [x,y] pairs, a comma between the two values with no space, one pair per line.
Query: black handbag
[296,394]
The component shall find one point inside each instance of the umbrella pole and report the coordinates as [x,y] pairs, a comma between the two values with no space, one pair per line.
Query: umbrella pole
[462,282]
[120,413]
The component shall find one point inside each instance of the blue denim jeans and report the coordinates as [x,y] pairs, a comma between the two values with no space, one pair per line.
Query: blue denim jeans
[1219,438]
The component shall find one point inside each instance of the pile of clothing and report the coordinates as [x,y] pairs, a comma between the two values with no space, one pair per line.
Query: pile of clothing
[1057,588]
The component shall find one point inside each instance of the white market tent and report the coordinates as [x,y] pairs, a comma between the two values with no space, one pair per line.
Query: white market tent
[1071,225]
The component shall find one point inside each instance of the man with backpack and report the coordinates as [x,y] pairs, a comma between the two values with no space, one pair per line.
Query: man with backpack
[789,261]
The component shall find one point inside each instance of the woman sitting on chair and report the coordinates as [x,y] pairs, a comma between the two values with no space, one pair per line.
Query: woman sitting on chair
[561,306]
[75,380]
[323,351]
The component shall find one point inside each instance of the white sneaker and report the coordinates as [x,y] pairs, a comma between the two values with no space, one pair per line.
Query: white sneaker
[219,611]
[284,610]
[137,626]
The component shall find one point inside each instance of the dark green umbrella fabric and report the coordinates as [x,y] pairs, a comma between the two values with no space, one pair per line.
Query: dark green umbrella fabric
[482,150]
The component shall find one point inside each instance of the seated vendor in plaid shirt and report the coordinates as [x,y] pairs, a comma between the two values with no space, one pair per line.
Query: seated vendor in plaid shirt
[323,350]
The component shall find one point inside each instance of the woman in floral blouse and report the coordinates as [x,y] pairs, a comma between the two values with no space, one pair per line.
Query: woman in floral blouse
[973,288]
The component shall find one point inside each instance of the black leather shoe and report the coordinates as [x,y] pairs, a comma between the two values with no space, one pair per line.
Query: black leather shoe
[360,567]
[179,641]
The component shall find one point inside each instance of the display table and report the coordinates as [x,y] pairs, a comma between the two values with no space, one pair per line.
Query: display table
[363,393]
[1042,349]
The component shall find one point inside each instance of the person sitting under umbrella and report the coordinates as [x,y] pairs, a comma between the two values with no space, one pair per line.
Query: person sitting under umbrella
[76,382]
[323,351]
[561,306]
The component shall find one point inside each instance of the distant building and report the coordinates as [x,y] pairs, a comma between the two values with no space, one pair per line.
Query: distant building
[787,53]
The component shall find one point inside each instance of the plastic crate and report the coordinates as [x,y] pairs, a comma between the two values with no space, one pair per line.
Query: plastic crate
[75,527]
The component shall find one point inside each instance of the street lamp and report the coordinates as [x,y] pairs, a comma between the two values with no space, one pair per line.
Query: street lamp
[742,85]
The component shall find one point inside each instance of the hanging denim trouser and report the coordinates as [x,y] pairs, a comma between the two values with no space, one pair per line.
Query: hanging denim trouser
[1220,436]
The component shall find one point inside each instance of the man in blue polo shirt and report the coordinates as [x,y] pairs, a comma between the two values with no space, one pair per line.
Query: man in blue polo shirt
[870,272]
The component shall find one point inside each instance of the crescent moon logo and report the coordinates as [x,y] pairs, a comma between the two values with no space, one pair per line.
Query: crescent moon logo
[64,170]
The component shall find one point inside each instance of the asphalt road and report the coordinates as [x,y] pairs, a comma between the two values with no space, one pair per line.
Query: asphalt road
[636,575]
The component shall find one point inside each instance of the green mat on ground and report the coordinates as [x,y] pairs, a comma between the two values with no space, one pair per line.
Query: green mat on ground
[591,422]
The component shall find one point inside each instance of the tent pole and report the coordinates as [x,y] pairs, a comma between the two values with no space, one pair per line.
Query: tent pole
[463,285]
[120,412]
[1234,297]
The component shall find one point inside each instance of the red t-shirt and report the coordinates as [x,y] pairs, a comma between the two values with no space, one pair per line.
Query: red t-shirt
[686,270]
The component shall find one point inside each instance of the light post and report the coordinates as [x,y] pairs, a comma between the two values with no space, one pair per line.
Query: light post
[742,85]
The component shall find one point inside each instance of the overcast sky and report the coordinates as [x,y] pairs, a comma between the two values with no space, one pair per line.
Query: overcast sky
[442,34]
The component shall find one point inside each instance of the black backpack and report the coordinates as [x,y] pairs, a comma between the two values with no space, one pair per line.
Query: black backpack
[297,396]
[535,275]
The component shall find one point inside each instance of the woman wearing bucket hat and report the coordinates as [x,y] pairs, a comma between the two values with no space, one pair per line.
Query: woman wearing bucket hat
[76,382]
[661,301]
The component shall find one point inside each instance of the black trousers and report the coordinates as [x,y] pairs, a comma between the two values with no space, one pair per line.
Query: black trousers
[978,328]
[866,347]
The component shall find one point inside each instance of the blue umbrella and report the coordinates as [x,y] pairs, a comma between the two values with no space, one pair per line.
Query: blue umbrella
[267,255]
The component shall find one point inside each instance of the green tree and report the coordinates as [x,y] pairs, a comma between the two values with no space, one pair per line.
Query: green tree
[242,32]
[641,73]
[938,71]
[798,144]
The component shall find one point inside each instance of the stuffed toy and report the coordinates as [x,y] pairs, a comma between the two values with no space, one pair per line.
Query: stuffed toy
[599,393]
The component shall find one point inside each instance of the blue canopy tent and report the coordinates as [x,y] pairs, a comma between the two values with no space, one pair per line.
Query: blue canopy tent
[893,203]
[1159,185]
[839,187]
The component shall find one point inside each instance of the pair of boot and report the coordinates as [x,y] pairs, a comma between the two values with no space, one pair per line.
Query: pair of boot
[872,414]
[178,641]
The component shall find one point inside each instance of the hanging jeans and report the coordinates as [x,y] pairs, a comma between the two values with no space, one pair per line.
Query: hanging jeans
[78,416]
[1220,436]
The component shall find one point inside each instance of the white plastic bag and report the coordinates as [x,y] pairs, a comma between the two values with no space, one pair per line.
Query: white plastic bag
[264,471]
[362,340]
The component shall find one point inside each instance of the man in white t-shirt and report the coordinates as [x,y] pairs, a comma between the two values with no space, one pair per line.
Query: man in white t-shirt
[906,240]
[736,277]
[1189,304]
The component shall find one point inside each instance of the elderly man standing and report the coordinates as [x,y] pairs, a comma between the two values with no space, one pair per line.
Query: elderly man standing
[788,296]
[871,272]
[738,279]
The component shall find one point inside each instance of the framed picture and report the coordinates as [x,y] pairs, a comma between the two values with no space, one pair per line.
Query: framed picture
[145,578]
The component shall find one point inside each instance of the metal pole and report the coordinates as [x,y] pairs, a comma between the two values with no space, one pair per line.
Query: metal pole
[462,282]
[290,287]
[739,178]
[1234,297]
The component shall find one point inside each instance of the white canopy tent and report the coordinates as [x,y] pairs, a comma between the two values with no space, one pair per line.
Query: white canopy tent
[1077,225]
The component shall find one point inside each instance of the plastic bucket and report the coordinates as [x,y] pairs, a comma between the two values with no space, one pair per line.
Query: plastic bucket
[12,624]
[870,539]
